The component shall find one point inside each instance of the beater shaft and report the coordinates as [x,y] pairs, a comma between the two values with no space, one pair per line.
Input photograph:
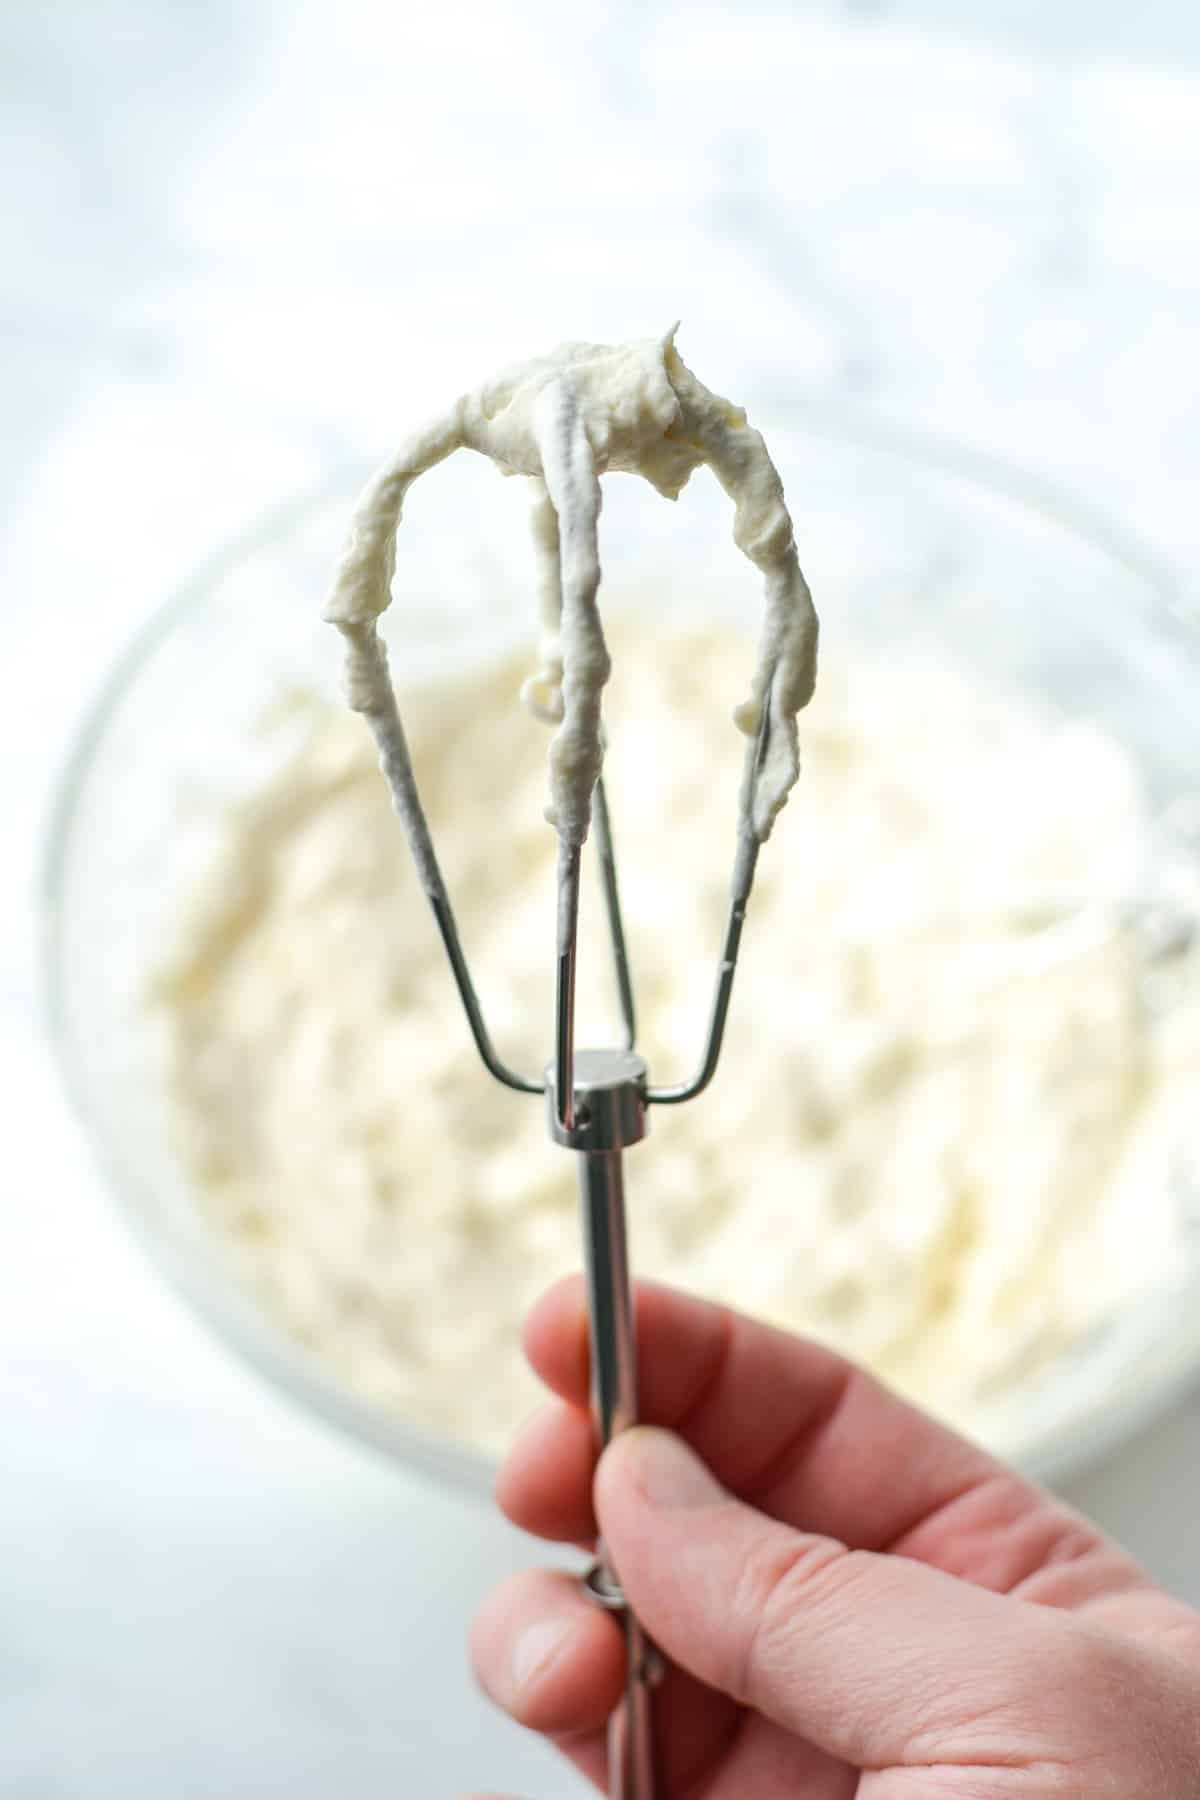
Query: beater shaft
[608,1113]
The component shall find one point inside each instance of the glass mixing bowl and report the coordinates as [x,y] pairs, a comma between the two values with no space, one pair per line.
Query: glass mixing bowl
[912,550]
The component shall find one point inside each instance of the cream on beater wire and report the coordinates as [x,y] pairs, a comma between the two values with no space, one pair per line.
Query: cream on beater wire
[563,420]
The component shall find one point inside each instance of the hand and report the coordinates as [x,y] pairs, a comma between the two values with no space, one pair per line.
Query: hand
[854,1601]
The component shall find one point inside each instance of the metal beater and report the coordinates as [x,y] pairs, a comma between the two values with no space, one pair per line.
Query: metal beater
[597,1101]
[597,1104]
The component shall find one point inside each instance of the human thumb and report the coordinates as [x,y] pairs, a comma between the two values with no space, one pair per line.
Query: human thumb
[873,1658]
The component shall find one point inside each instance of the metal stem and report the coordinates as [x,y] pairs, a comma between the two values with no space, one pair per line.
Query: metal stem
[631,1771]
[726,970]
[367,657]
[569,857]
[614,1409]
[444,916]
[606,1262]
[609,1115]
[745,862]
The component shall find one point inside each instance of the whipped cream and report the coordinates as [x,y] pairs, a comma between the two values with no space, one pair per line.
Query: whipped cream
[563,420]
[949,1148]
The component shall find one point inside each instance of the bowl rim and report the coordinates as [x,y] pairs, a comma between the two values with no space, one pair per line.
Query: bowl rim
[231,1316]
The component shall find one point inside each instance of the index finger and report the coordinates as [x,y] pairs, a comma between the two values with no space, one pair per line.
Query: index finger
[786,1424]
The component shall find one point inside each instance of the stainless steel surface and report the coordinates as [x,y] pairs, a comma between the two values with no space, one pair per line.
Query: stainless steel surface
[610,1306]
[612,1098]
[631,1761]
[745,862]
[569,859]
[394,760]
[606,851]
[609,1102]
[444,916]
[632,1752]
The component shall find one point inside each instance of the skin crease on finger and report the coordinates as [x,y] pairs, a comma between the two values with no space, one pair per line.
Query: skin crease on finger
[1109,1704]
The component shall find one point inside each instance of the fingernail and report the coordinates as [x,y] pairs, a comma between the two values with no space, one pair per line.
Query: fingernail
[665,1472]
[536,1649]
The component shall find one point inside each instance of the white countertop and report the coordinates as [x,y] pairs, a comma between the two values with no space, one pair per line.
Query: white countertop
[246,235]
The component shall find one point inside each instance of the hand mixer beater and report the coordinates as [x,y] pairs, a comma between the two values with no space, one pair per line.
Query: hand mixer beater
[563,421]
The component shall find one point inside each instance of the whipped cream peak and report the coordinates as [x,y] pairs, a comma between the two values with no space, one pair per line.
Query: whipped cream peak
[563,420]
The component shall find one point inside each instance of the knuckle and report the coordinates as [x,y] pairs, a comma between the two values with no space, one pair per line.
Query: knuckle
[778,1587]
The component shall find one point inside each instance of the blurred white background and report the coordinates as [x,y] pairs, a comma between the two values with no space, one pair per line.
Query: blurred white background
[244,240]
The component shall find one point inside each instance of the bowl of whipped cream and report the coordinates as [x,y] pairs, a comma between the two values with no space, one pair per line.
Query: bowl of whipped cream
[956,1129]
